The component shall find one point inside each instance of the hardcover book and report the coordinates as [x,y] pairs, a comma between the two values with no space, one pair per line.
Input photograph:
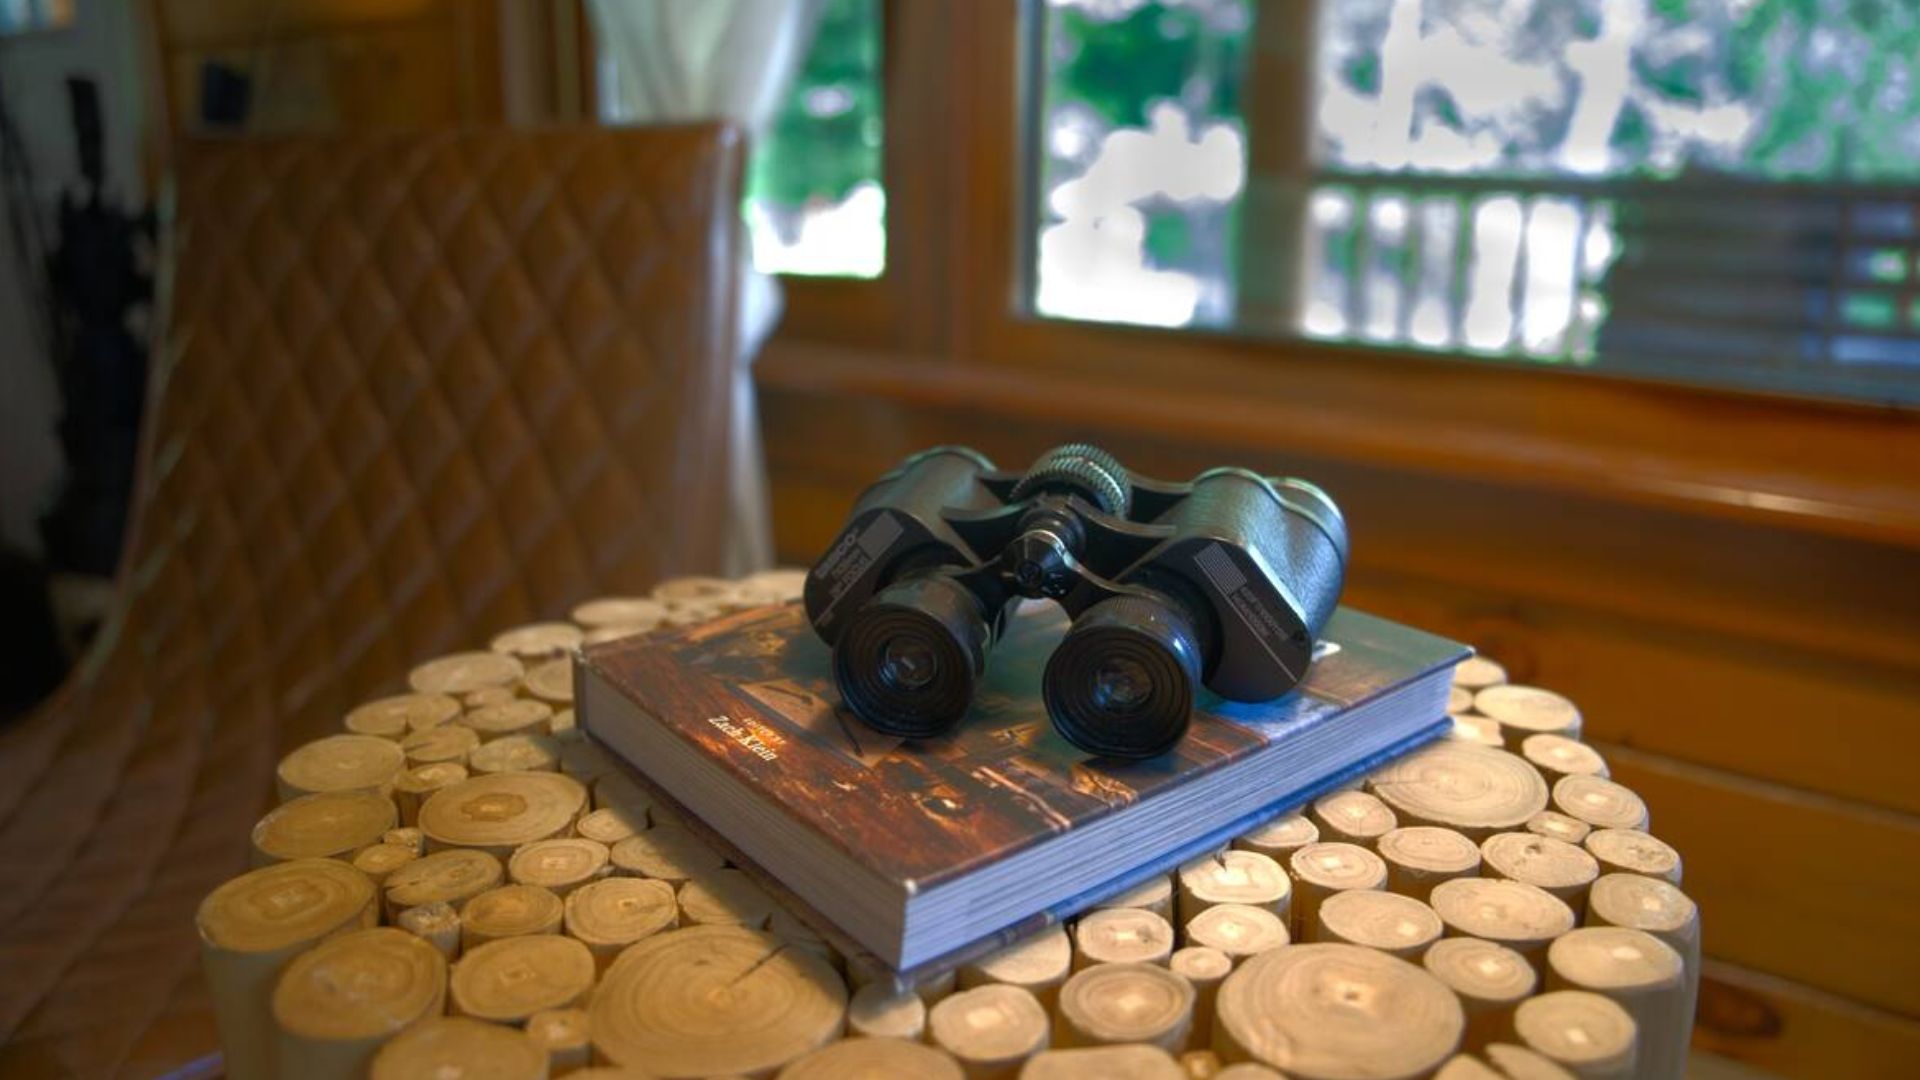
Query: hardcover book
[928,852]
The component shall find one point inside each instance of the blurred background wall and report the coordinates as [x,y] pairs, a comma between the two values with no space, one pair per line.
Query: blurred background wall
[103,42]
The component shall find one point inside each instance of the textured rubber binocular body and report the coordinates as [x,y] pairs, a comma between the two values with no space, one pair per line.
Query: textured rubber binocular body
[1224,581]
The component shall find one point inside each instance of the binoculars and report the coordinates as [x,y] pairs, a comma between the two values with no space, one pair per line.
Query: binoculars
[1223,581]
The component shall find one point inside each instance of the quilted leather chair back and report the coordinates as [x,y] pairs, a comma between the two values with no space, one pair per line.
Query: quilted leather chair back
[417,387]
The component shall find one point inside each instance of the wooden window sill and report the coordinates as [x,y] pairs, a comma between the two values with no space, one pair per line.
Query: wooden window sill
[1830,469]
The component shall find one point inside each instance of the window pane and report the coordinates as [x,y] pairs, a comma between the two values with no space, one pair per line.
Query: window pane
[815,200]
[1718,190]
[1142,161]
[815,204]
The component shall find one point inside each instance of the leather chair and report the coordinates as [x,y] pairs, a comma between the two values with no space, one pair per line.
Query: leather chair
[416,387]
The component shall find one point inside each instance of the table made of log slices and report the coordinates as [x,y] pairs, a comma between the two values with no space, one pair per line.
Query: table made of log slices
[460,884]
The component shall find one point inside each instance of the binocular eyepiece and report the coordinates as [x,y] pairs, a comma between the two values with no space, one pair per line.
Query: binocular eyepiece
[1222,582]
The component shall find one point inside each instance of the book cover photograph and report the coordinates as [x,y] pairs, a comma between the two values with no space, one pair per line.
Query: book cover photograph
[755,694]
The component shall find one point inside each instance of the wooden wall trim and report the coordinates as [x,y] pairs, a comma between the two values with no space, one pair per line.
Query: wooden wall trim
[1806,888]
[333,64]
[1834,472]
[1795,1030]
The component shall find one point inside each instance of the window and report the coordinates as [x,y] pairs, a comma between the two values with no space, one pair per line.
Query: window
[1715,190]
[815,200]
[1143,161]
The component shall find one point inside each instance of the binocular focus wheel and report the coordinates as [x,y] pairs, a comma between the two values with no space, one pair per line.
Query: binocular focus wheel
[1085,470]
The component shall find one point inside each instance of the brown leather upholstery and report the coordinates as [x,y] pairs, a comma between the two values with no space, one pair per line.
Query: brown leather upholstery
[418,387]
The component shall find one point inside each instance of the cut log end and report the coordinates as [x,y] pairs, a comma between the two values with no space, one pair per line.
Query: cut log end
[1558,826]
[456,1046]
[1154,894]
[1135,1062]
[1280,837]
[1556,866]
[537,641]
[1580,1031]
[666,853]
[1418,857]
[879,1011]
[990,1030]
[1629,851]
[1475,790]
[1599,802]
[508,980]
[1237,930]
[1327,1010]
[874,1057]
[1234,876]
[1039,964]
[461,673]
[1396,925]
[337,1003]
[715,1000]
[1110,1004]
[1478,673]
[499,813]
[516,716]
[398,716]
[509,911]
[1557,756]
[725,897]
[1121,936]
[564,1035]
[453,877]
[552,682]
[331,824]
[1523,711]
[1354,817]
[559,865]
[1523,917]
[607,916]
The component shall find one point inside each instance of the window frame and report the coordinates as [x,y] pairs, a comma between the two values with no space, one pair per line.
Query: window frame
[949,322]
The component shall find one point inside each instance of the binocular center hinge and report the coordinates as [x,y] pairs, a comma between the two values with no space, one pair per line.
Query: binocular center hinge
[1039,564]
[1042,561]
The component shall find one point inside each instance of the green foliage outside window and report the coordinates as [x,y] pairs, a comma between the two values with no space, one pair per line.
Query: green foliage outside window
[1532,111]
[822,150]
[1171,73]
[1769,89]
[1158,52]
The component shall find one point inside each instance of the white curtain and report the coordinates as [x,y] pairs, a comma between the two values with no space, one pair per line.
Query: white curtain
[673,60]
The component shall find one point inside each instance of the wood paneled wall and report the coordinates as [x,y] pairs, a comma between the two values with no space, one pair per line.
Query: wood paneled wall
[334,64]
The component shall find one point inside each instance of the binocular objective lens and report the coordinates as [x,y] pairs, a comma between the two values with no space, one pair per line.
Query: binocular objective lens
[907,661]
[907,664]
[1121,685]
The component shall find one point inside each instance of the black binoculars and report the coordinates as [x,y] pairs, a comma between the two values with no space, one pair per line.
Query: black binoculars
[1224,581]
